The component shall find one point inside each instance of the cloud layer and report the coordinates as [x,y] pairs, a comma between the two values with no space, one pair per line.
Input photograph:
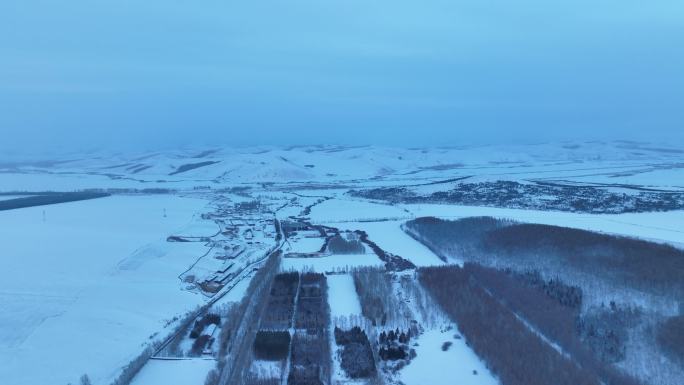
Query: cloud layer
[158,73]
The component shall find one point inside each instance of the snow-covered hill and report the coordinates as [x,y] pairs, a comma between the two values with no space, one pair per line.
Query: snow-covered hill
[587,162]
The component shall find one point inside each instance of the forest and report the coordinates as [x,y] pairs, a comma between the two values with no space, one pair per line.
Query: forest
[500,337]
[635,263]
[611,303]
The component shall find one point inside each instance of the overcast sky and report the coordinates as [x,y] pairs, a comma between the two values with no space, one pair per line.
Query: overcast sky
[147,74]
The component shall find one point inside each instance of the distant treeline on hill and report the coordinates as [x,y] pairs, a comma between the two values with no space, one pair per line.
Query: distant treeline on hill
[48,198]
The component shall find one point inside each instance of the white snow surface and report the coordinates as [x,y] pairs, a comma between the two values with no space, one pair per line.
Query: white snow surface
[342,296]
[343,210]
[304,245]
[174,372]
[436,367]
[390,237]
[605,162]
[82,290]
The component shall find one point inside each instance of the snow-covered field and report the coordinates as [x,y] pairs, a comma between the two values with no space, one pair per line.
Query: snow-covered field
[304,245]
[84,289]
[345,210]
[174,372]
[342,296]
[390,236]
[457,365]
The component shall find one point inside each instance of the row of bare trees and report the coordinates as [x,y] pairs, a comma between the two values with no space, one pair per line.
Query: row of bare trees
[240,326]
[546,306]
[513,352]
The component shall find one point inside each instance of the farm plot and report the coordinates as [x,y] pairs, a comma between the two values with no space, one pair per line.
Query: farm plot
[391,238]
[439,349]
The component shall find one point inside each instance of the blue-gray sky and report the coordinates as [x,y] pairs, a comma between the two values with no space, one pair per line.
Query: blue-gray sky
[153,73]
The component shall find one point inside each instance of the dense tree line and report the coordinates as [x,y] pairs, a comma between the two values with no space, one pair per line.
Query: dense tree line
[291,227]
[272,345]
[566,295]
[48,199]
[394,344]
[517,355]
[199,344]
[258,379]
[310,357]
[312,306]
[647,266]
[460,238]
[605,330]
[550,316]
[376,295]
[231,318]
[641,264]
[281,302]
[357,355]
[671,337]
[339,245]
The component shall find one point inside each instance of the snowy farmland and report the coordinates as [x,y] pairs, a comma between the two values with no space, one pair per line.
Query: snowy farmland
[455,365]
[343,299]
[174,372]
[91,282]
[390,236]
[180,260]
